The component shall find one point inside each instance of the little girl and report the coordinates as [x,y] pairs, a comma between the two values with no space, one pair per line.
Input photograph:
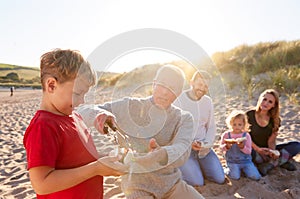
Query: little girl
[236,142]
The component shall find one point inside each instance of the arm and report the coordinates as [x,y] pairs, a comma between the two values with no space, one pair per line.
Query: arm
[272,144]
[96,116]
[210,125]
[43,142]
[272,141]
[46,180]
[173,155]
[225,146]
[262,151]
[155,159]
[178,152]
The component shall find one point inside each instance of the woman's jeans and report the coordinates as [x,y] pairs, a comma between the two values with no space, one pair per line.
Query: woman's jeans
[196,169]
[293,148]
[287,151]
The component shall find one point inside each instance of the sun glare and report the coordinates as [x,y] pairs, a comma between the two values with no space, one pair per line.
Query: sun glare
[140,58]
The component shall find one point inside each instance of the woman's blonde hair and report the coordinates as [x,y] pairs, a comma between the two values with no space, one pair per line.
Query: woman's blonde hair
[273,112]
[238,114]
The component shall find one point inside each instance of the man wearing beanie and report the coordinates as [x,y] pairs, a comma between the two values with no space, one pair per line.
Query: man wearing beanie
[157,129]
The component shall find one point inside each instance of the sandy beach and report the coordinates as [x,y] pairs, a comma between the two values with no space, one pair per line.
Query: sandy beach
[17,111]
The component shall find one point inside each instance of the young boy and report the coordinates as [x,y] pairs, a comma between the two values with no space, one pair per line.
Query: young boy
[62,160]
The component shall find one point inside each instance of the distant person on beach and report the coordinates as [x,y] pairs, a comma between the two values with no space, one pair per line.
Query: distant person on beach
[203,161]
[12,91]
[160,131]
[265,123]
[236,143]
[62,159]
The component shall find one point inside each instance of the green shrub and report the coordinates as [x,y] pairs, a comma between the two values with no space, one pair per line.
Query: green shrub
[259,58]
[13,76]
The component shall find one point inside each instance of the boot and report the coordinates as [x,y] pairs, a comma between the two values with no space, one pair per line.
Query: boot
[264,168]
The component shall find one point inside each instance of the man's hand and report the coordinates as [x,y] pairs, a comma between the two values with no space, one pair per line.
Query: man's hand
[150,161]
[102,118]
[196,145]
[153,145]
[153,160]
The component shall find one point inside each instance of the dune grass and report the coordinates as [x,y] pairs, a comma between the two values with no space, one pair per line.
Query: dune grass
[26,76]
[264,65]
[253,67]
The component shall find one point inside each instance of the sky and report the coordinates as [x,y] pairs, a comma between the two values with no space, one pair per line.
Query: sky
[30,28]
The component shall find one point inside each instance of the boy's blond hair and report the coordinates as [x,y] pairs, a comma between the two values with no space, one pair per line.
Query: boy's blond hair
[66,65]
[238,114]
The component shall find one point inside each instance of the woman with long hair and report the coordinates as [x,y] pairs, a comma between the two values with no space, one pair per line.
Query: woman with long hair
[265,122]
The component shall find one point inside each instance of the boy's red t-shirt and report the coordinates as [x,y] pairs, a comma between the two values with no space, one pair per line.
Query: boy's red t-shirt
[62,142]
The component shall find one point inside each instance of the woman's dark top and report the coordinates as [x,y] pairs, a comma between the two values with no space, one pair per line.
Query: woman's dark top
[259,135]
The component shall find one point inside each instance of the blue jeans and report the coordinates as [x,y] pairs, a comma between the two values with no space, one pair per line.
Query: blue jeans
[195,169]
[248,168]
[292,147]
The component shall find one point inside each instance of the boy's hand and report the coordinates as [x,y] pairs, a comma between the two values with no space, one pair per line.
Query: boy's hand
[110,166]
